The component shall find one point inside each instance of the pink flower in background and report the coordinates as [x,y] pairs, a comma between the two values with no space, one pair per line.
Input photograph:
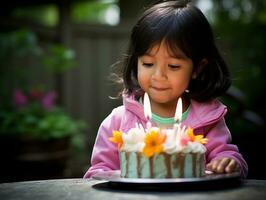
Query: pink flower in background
[19,98]
[48,100]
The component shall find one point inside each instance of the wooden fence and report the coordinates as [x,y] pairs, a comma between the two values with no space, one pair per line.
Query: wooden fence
[86,89]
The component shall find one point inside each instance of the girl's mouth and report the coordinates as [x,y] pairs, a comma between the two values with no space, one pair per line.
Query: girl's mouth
[159,88]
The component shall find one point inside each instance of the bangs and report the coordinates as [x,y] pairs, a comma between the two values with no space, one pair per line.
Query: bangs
[162,25]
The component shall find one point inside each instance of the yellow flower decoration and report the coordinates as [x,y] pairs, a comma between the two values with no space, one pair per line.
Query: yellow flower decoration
[153,143]
[117,138]
[196,138]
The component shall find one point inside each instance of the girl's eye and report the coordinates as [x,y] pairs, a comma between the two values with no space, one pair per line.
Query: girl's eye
[174,66]
[147,64]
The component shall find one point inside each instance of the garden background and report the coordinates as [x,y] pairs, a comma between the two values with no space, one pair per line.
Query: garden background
[56,56]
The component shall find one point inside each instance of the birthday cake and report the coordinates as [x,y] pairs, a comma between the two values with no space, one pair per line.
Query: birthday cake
[160,153]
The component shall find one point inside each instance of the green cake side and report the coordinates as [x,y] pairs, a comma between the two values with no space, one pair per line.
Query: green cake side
[163,165]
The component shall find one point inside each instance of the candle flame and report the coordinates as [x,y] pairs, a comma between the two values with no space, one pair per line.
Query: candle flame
[178,111]
[147,106]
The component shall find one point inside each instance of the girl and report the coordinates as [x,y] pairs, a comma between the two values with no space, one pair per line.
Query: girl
[172,54]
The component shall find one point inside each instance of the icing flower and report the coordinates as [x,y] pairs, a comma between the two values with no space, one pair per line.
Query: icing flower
[196,138]
[153,143]
[117,138]
[133,140]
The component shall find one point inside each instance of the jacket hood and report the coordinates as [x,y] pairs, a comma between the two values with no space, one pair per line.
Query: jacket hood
[133,106]
[206,113]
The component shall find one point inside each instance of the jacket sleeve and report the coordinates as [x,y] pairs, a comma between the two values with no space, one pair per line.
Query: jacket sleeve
[105,154]
[219,146]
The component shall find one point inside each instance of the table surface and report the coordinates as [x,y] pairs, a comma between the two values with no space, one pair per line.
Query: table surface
[94,189]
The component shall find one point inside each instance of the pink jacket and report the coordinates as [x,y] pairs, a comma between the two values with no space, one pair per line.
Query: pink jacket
[206,118]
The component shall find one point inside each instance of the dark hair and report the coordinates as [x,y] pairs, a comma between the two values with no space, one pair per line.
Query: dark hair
[181,25]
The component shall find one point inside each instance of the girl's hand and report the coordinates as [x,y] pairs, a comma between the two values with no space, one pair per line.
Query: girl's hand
[223,165]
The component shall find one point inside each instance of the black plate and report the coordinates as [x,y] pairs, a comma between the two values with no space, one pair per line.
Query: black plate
[209,181]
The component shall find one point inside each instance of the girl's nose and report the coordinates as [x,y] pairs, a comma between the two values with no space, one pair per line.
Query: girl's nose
[160,72]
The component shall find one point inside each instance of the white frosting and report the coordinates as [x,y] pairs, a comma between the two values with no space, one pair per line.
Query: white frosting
[194,147]
[173,142]
[133,140]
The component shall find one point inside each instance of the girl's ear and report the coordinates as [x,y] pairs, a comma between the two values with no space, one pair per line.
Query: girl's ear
[199,68]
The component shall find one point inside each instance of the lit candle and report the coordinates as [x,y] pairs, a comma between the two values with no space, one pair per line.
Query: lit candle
[178,117]
[147,110]
[178,111]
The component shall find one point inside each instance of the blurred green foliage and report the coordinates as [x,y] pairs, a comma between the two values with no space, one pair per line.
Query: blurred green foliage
[35,122]
[29,109]
[14,47]
[58,59]
[17,48]
[240,27]
[91,11]
[46,15]
[82,11]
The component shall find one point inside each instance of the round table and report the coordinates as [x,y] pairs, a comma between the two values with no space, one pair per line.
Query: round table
[94,189]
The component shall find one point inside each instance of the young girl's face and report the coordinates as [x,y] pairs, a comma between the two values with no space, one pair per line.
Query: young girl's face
[163,76]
